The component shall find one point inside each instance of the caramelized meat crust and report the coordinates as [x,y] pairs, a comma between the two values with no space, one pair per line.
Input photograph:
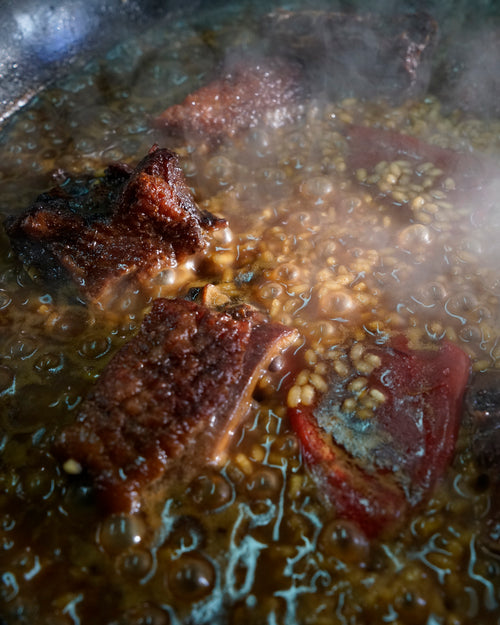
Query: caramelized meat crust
[176,392]
[244,96]
[121,233]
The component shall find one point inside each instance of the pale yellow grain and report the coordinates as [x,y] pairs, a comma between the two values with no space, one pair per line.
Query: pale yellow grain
[451,333]
[361,174]
[363,367]
[435,172]
[294,396]
[303,377]
[482,365]
[321,368]
[244,464]
[431,208]
[258,453]
[307,394]
[311,357]
[424,167]
[357,385]
[377,395]
[295,484]
[399,196]
[373,359]
[72,467]
[275,308]
[357,351]
[318,382]
[349,404]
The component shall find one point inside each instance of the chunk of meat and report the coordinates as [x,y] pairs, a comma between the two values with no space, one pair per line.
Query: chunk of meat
[467,76]
[363,55]
[483,406]
[483,410]
[373,501]
[170,400]
[369,146]
[473,175]
[383,455]
[121,233]
[247,94]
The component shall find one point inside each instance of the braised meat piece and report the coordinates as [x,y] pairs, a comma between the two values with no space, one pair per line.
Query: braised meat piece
[361,55]
[119,234]
[467,77]
[170,399]
[483,420]
[369,146]
[473,174]
[379,443]
[245,95]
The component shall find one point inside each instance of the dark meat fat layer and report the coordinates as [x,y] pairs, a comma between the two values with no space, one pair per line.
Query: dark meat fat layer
[171,398]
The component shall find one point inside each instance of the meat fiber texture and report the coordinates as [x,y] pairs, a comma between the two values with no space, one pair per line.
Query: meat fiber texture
[170,400]
[118,234]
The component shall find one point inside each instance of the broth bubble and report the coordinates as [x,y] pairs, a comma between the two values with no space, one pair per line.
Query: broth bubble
[263,483]
[120,531]
[210,491]
[345,541]
[415,238]
[135,563]
[191,577]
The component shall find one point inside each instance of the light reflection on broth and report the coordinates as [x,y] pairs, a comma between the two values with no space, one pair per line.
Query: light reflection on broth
[342,254]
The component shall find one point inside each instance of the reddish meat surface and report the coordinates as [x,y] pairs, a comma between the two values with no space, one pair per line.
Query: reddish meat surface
[374,468]
[244,96]
[171,398]
[119,234]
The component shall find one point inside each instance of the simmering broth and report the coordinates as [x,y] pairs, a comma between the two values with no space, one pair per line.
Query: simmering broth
[344,252]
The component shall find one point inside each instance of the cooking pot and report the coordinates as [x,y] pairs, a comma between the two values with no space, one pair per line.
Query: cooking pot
[327,571]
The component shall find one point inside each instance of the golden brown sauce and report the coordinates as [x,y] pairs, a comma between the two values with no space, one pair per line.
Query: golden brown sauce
[342,256]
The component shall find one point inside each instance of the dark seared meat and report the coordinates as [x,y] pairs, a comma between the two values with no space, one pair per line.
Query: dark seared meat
[362,55]
[245,95]
[483,406]
[62,214]
[171,398]
[120,234]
